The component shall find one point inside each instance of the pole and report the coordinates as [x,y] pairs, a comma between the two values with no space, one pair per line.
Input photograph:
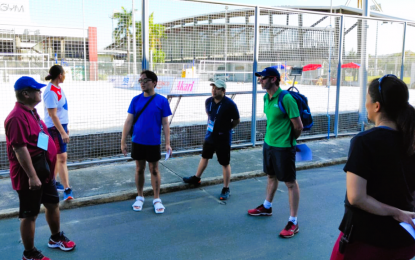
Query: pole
[403,50]
[254,80]
[376,49]
[145,35]
[339,77]
[226,37]
[134,42]
[83,32]
[364,66]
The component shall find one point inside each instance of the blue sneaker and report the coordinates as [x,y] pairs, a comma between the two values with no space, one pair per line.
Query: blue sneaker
[59,186]
[224,195]
[67,194]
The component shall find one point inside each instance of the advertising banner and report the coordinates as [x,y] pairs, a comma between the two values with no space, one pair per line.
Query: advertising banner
[185,85]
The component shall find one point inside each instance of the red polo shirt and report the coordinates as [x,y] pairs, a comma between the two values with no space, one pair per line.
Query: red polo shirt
[22,129]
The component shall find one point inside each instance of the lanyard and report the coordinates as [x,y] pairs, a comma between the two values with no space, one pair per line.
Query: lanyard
[217,111]
[38,121]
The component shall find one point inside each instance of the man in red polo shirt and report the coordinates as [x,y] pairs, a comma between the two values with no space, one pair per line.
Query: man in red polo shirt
[32,156]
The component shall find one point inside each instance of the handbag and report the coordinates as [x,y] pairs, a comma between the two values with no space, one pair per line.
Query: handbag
[41,166]
[138,115]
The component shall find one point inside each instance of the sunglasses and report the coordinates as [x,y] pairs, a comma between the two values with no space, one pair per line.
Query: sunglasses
[141,81]
[264,78]
[380,82]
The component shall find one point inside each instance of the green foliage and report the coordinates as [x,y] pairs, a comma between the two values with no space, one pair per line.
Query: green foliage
[124,31]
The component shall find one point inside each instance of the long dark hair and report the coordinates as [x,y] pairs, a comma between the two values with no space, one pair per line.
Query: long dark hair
[393,97]
[54,72]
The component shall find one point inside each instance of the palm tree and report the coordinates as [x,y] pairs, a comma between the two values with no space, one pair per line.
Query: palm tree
[124,28]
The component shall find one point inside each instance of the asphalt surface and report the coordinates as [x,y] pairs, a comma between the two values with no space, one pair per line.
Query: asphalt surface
[115,182]
[196,225]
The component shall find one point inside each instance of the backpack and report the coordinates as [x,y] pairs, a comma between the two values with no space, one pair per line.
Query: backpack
[303,108]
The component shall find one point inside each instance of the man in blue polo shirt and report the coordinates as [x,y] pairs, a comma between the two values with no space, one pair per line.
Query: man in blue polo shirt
[223,115]
[146,137]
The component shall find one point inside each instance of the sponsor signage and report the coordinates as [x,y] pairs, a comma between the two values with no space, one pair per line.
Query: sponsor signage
[185,85]
[165,84]
[9,7]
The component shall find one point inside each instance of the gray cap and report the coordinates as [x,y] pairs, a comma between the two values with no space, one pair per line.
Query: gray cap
[219,83]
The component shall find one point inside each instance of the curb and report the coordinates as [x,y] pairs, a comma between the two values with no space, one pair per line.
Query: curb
[165,188]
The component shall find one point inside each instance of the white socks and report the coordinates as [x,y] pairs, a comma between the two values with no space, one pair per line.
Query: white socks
[139,198]
[293,220]
[267,204]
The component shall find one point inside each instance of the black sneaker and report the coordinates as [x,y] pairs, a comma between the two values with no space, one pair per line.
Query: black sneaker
[192,180]
[224,195]
[34,254]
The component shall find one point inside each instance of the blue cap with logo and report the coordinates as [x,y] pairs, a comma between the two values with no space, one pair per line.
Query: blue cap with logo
[269,72]
[27,82]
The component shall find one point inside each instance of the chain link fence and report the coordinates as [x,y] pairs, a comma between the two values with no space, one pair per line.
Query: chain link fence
[103,45]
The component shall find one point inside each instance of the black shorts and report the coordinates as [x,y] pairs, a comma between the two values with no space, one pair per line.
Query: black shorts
[149,153]
[223,152]
[30,201]
[280,162]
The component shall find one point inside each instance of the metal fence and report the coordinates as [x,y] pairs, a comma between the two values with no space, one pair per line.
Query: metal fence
[104,44]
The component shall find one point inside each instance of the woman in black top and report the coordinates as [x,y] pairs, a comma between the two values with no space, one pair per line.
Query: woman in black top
[380,179]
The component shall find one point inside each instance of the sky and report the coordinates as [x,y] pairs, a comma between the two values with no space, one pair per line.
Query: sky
[69,13]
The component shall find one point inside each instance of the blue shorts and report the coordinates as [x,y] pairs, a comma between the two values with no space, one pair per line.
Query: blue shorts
[57,138]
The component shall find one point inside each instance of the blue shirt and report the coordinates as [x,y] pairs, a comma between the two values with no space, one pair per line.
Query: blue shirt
[147,129]
[222,113]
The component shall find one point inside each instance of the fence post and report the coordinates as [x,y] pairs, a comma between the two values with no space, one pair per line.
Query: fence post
[254,79]
[403,50]
[145,34]
[134,40]
[364,66]
[83,33]
[339,78]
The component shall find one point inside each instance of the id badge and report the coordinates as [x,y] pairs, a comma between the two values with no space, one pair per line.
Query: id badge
[42,141]
[210,125]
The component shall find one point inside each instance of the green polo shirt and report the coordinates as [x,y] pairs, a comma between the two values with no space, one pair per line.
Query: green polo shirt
[279,125]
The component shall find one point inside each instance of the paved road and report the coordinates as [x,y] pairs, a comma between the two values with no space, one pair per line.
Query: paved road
[198,226]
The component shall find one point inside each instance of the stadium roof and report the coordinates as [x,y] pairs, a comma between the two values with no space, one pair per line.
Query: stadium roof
[341,9]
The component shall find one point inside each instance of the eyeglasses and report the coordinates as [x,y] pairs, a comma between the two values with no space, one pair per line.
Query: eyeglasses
[380,82]
[141,81]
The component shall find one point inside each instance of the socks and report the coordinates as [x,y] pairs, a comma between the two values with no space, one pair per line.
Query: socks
[267,204]
[139,198]
[293,220]
[56,237]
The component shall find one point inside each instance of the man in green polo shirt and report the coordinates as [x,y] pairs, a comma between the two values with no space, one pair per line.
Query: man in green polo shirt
[279,148]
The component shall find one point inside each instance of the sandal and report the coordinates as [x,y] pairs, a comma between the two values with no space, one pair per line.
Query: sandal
[138,204]
[158,207]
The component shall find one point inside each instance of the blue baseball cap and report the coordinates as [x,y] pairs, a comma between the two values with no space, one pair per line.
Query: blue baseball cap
[27,82]
[268,72]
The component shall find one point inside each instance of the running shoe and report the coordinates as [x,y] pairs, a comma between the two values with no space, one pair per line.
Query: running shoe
[260,211]
[290,230]
[34,255]
[224,195]
[192,180]
[67,194]
[63,243]
[59,186]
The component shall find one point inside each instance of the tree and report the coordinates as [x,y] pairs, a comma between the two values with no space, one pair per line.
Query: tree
[156,33]
[124,31]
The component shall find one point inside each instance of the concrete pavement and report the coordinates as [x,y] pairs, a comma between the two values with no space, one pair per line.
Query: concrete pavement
[115,182]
